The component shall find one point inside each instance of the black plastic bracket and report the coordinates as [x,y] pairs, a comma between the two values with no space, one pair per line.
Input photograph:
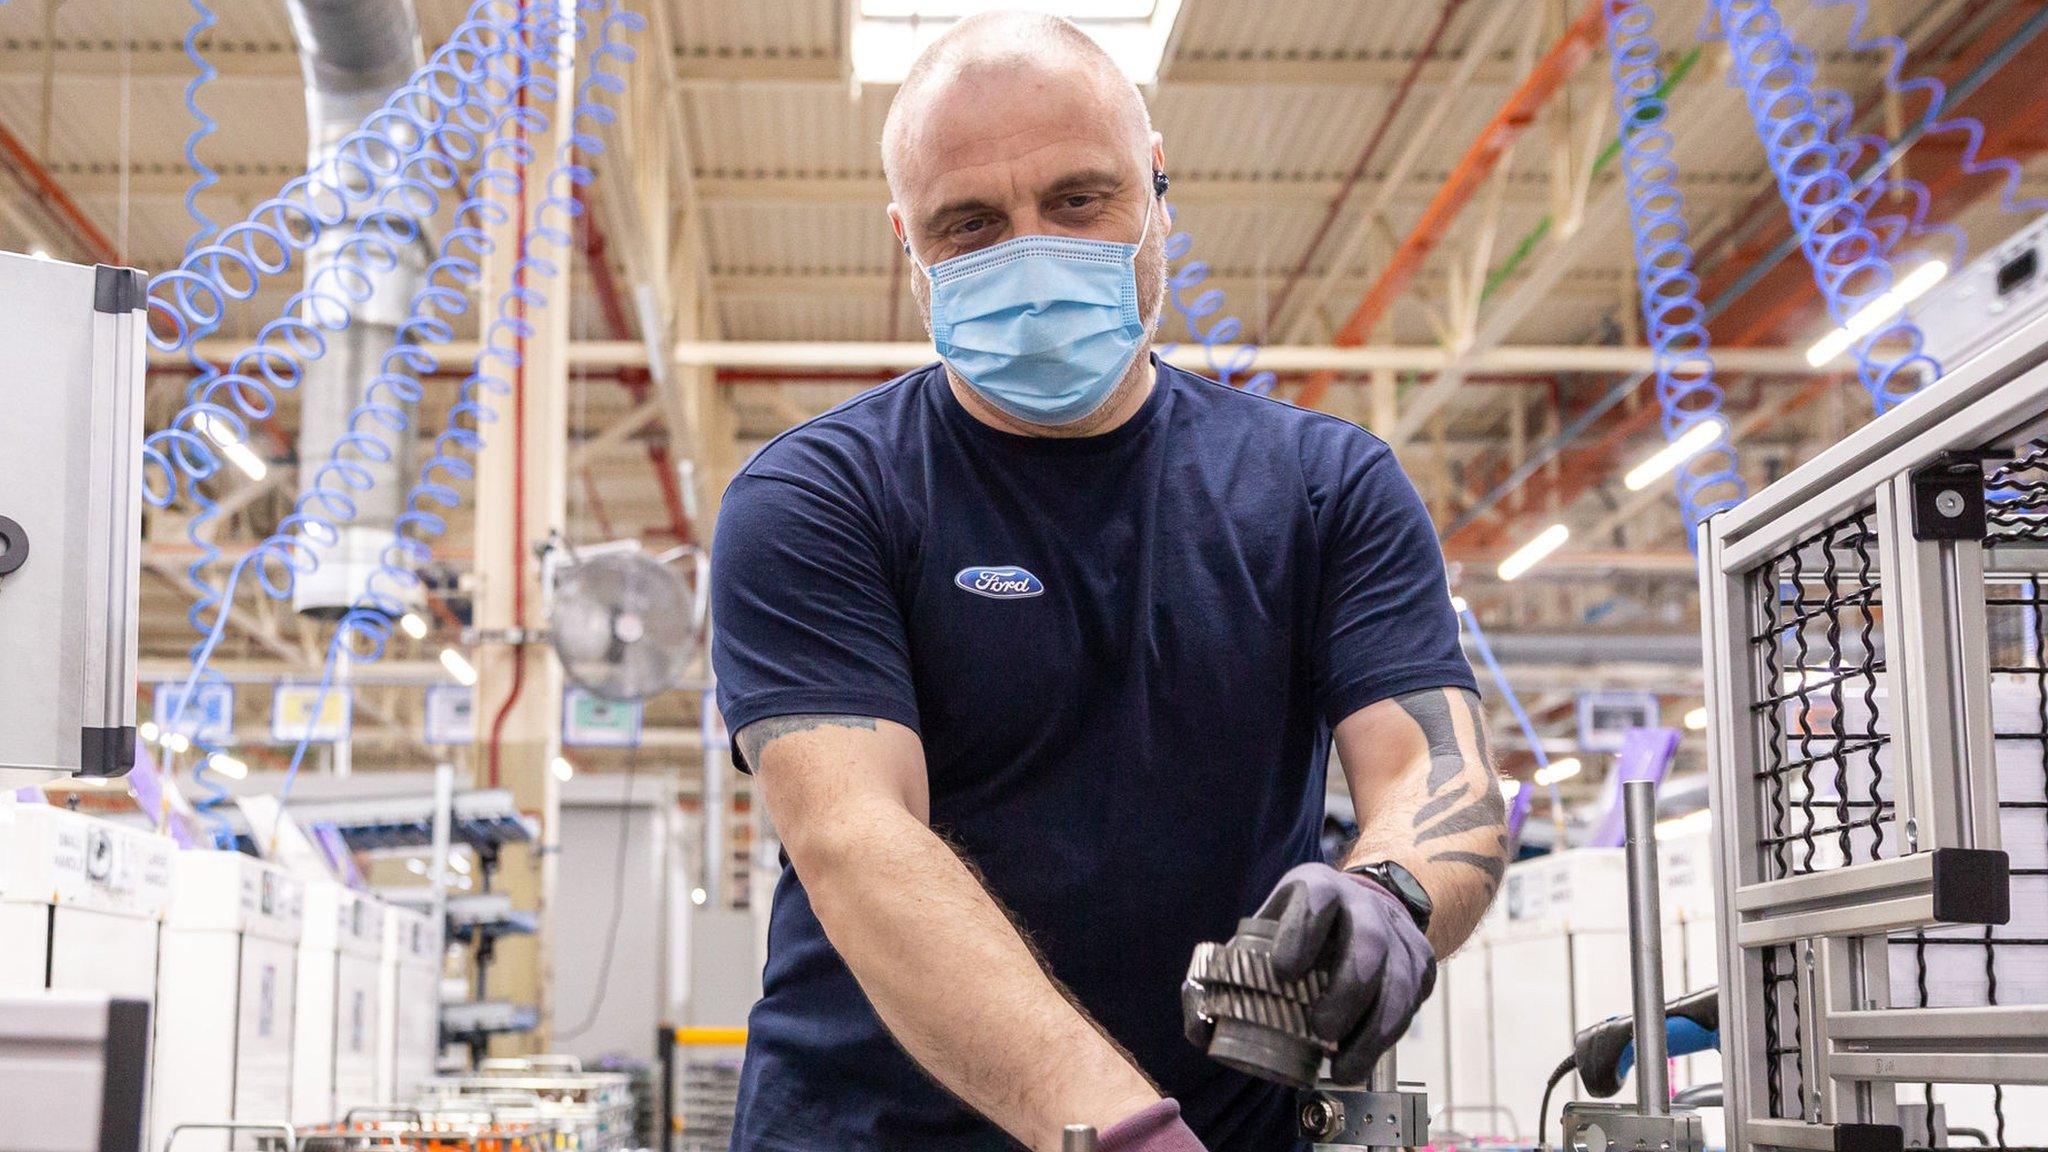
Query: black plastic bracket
[106,752]
[1972,886]
[1869,1138]
[116,289]
[1948,498]
[13,546]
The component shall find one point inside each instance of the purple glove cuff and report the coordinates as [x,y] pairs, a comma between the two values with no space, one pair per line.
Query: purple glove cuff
[1158,1128]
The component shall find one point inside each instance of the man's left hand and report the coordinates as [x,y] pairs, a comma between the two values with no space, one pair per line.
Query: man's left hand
[1380,965]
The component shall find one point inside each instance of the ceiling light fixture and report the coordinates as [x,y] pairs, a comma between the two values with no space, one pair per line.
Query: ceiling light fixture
[414,624]
[1533,553]
[1558,771]
[1696,720]
[1873,315]
[231,446]
[458,667]
[1665,460]
[888,35]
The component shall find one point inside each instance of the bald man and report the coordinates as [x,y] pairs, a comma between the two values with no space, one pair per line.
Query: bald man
[1038,653]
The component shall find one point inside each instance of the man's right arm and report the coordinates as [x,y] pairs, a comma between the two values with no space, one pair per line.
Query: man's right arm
[946,970]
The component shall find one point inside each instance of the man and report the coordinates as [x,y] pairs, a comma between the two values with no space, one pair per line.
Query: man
[1037,655]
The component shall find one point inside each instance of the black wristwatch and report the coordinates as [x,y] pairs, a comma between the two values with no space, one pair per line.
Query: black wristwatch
[1403,885]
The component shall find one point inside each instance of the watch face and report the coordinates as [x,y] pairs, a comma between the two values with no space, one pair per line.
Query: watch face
[1410,888]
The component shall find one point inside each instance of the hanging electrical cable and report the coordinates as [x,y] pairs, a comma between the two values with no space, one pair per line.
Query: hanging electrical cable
[1710,479]
[1849,262]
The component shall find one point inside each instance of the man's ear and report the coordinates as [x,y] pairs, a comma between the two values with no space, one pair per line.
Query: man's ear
[896,225]
[1158,152]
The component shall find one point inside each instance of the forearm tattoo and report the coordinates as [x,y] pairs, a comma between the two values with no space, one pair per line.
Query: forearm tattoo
[1468,806]
[761,733]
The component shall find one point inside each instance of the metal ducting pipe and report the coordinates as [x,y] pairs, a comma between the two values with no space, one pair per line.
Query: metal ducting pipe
[1591,649]
[354,54]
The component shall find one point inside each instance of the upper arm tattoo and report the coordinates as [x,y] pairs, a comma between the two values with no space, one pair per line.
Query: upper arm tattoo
[1455,811]
[1432,713]
[761,733]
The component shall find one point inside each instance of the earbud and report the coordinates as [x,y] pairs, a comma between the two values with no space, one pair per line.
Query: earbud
[1159,184]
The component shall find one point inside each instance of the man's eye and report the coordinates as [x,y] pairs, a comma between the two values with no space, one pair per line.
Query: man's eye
[1080,200]
[970,227]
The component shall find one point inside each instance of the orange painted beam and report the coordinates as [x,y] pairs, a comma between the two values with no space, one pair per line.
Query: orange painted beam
[39,183]
[1549,74]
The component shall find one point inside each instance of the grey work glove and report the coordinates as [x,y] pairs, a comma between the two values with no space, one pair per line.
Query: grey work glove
[1381,966]
[1158,1128]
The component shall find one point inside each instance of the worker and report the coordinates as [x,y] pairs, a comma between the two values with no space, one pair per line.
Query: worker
[1036,654]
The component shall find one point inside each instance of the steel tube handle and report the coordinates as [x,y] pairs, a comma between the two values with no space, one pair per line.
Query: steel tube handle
[1646,948]
[290,1134]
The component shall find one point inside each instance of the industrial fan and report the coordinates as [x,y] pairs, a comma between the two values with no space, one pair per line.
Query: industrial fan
[625,625]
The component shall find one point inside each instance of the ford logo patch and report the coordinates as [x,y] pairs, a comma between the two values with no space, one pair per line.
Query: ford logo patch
[1010,583]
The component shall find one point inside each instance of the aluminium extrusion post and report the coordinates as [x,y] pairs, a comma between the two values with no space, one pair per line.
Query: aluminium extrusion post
[1937,636]
[1726,610]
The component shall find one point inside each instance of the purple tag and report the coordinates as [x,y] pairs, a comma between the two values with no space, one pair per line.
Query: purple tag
[1646,754]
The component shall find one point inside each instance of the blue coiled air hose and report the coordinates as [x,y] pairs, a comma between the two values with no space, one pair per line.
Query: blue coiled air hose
[405,193]
[1674,320]
[1931,120]
[365,630]
[281,558]
[1223,331]
[1794,120]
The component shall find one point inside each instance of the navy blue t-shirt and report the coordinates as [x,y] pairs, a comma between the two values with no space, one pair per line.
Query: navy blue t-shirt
[1124,654]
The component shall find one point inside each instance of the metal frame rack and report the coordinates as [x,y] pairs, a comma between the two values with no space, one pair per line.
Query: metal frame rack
[1874,637]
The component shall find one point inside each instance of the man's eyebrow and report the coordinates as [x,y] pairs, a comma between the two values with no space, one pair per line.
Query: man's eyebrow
[963,207]
[1072,181]
[1087,178]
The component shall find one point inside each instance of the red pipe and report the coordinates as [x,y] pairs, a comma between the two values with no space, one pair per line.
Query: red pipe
[596,504]
[1352,178]
[518,455]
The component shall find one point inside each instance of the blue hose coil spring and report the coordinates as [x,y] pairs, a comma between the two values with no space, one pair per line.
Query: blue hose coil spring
[1877,190]
[1936,93]
[365,630]
[281,558]
[199,528]
[204,125]
[1209,302]
[1849,261]
[1711,479]
[404,175]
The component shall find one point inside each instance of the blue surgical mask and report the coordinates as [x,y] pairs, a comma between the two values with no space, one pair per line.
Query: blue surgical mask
[1042,327]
